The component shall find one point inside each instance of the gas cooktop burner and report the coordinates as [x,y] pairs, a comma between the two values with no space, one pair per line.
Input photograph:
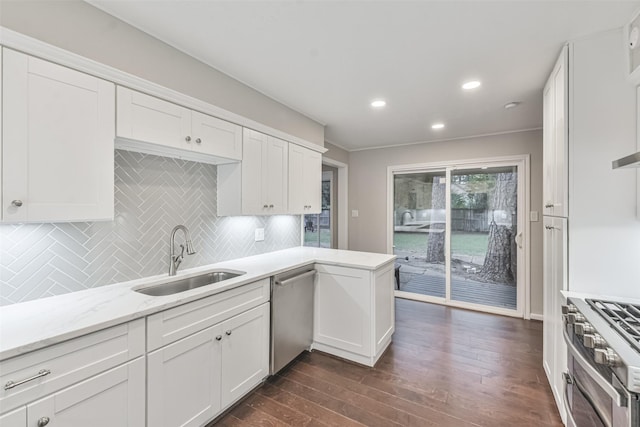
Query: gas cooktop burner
[624,318]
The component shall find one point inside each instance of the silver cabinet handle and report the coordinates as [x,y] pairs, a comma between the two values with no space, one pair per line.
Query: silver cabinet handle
[11,384]
[43,421]
[270,206]
[265,206]
[549,227]
[16,203]
[548,205]
[219,337]
[188,138]
[198,140]
[228,332]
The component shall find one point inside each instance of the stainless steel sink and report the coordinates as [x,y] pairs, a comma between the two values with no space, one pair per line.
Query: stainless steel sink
[189,283]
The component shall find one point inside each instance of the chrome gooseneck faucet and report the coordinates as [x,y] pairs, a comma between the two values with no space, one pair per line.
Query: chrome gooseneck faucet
[175,260]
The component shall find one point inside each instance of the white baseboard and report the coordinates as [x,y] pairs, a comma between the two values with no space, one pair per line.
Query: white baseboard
[535,316]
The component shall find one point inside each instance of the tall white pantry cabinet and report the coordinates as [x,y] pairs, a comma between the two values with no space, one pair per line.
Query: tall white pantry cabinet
[555,209]
[591,235]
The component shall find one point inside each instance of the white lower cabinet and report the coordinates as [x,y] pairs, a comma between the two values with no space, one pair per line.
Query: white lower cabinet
[113,398]
[191,380]
[184,380]
[93,380]
[245,353]
[14,418]
[354,313]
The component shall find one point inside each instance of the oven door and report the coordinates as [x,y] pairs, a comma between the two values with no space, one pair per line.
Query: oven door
[591,399]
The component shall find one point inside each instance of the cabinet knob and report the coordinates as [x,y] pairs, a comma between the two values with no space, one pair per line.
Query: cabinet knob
[16,203]
[219,337]
[265,206]
[198,140]
[43,421]
[270,206]
[188,138]
[228,332]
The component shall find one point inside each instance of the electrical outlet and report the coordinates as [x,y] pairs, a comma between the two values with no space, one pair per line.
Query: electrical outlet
[533,216]
[354,213]
[259,234]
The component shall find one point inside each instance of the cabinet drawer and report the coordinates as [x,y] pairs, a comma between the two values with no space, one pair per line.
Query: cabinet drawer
[176,323]
[68,363]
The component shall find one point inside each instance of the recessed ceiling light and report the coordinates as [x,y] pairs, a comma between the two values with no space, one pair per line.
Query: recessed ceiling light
[471,85]
[512,104]
[437,126]
[378,103]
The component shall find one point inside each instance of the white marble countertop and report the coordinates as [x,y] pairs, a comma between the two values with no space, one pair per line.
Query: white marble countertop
[39,323]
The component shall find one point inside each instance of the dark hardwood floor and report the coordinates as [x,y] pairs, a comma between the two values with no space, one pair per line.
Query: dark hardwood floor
[446,367]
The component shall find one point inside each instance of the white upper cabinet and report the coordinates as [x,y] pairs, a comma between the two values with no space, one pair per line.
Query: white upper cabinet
[555,145]
[305,177]
[145,118]
[258,185]
[216,137]
[57,142]
[155,126]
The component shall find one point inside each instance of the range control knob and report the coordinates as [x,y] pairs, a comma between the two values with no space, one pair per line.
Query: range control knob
[606,356]
[583,328]
[575,318]
[593,341]
[570,308]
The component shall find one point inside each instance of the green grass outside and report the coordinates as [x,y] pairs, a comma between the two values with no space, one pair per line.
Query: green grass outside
[311,238]
[471,244]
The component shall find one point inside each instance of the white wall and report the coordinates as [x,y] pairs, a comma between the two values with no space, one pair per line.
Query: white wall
[368,187]
[87,31]
[604,232]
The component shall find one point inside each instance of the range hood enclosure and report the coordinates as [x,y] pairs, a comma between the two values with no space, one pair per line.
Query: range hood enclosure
[632,161]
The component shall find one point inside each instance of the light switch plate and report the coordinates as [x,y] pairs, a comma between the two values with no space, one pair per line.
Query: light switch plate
[259,234]
[533,216]
[354,213]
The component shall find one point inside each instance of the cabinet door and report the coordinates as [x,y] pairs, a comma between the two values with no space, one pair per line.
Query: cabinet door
[305,180]
[342,310]
[297,186]
[555,280]
[113,398]
[58,136]
[253,172]
[146,118]
[555,140]
[313,181]
[245,353]
[277,177]
[216,137]
[17,418]
[184,381]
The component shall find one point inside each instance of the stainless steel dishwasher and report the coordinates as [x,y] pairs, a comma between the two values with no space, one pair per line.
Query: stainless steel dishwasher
[291,315]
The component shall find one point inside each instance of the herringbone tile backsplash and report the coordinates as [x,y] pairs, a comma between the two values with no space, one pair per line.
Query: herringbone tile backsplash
[152,195]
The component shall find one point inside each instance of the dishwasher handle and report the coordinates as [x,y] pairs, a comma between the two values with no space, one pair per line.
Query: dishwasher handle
[295,278]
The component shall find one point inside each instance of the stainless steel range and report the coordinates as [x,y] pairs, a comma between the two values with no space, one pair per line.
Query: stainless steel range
[603,378]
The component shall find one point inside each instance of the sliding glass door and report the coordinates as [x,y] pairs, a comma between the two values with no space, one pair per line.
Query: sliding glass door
[457,233]
[484,224]
[419,231]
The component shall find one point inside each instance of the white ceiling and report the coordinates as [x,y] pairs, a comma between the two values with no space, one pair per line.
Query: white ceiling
[329,59]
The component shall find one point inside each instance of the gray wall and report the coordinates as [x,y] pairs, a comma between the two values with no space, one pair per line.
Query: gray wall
[152,195]
[87,31]
[368,183]
[336,153]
